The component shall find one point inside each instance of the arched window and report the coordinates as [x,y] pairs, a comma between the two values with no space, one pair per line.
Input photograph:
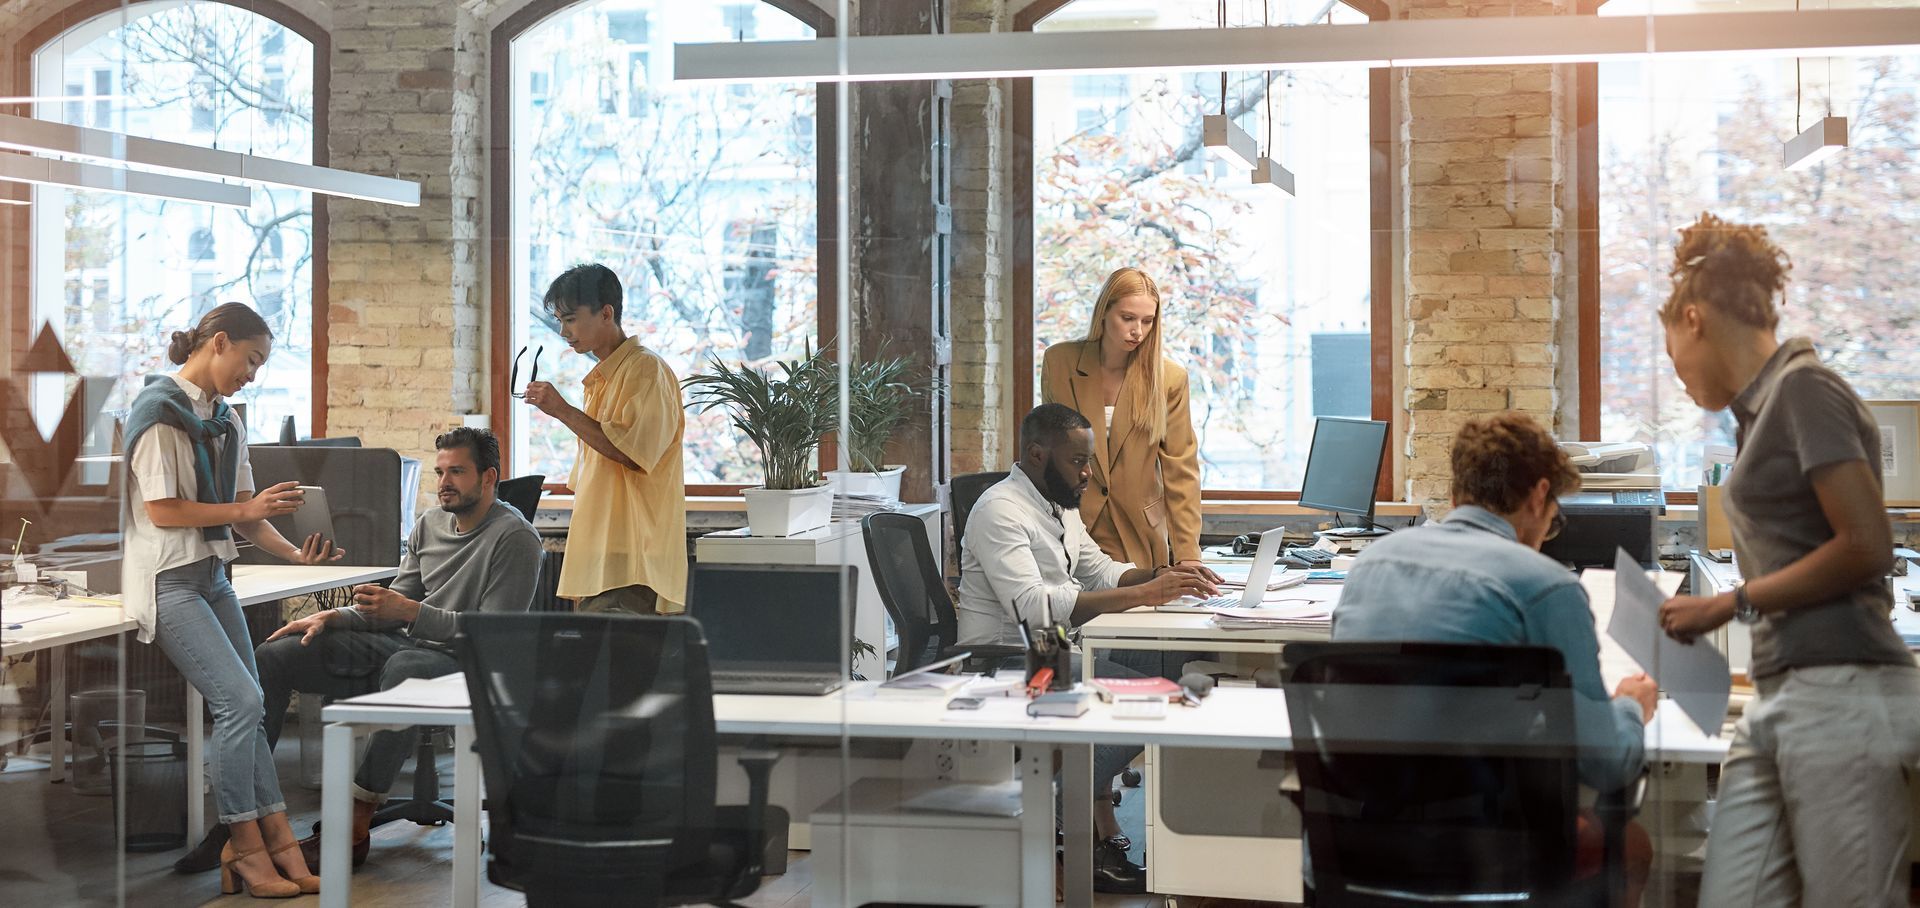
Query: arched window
[703,199]
[113,274]
[1269,300]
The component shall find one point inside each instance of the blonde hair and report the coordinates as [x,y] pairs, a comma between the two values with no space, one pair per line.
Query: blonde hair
[1734,268]
[1143,379]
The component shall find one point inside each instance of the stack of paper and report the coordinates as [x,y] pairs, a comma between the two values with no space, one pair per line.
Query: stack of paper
[1308,616]
[855,507]
[1234,577]
[925,684]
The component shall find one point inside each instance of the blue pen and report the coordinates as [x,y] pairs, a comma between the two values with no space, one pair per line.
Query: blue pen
[16,625]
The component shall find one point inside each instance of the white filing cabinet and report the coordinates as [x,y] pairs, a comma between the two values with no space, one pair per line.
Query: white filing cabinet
[839,542]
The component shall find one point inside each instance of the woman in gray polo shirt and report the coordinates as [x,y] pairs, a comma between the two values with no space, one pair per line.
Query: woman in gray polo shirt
[1813,799]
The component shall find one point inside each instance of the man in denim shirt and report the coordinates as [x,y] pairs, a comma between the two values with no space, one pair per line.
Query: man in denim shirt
[1478,577]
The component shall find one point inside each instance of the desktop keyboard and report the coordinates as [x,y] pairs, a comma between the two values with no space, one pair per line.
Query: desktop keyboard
[1313,557]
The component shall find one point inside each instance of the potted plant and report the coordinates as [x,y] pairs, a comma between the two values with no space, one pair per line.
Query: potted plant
[784,416]
[878,401]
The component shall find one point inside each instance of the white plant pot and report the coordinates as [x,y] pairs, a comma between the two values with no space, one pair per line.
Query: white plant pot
[885,483]
[783,512]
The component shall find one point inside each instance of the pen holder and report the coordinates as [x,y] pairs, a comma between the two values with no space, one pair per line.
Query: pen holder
[1049,648]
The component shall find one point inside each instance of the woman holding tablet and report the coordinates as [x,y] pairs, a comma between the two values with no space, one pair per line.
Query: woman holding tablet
[189,486]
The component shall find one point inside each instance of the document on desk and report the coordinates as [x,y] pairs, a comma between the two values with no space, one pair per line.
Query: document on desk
[1694,675]
[444,692]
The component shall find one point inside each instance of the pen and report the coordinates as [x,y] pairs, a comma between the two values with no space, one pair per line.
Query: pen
[16,625]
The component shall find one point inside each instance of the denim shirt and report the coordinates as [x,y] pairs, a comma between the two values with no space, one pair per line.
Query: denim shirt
[1468,579]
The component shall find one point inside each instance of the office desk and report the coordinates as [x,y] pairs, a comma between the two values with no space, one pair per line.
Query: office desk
[81,623]
[1145,629]
[1235,718]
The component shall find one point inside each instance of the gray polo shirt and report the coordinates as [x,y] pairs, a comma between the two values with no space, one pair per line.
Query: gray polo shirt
[1798,415]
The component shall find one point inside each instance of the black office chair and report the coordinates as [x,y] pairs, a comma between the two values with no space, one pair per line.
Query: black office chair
[1437,774]
[427,807]
[523,492]
[915,595]
[963,491]
[596,736]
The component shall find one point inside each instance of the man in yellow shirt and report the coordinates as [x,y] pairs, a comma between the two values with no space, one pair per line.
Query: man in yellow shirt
[627,542]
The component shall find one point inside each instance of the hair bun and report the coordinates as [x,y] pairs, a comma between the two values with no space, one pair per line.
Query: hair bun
[180,347]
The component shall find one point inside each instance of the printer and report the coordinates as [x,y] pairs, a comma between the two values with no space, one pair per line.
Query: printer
[1617,506]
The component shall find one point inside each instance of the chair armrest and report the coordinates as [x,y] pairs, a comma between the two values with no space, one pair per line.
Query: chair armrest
[986,656]
[758,763]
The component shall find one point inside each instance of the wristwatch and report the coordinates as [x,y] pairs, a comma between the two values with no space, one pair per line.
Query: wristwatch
[1743,610]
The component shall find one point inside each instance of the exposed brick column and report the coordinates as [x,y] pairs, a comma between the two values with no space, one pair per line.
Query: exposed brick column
[1484,187]
[982,332]
[405,355]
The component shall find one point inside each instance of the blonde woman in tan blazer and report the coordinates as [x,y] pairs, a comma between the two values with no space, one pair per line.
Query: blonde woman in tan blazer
[1143,504]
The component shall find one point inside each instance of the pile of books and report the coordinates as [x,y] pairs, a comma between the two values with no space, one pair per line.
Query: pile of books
[856,507]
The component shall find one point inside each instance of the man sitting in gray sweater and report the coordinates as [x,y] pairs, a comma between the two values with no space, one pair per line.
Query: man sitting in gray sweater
[474,554]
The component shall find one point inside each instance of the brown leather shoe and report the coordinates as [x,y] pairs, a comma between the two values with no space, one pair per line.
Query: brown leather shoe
[310,849]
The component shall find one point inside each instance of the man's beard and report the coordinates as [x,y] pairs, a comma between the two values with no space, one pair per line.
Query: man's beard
[462,504]
[1058,490]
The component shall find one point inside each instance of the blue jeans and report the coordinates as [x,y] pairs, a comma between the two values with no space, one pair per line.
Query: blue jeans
[199,626]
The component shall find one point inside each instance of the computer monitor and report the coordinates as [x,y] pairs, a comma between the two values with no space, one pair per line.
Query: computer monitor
[1343,466]
[1592,533]
[771,617]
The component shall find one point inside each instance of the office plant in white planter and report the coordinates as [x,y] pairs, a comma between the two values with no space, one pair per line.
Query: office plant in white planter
[878,401]
[784,415]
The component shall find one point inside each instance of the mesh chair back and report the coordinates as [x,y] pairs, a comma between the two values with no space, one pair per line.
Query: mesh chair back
[1433,771]
[596,735]
[910,585]
[964,490]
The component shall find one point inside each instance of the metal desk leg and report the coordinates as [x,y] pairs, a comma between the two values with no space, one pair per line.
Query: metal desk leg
[336,816]
[1036,824]
[196,766]
[57,739]
[466,819]
[1076,804]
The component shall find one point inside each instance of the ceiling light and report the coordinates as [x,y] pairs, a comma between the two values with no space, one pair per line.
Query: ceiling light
[1268,171]
[1816,143]
[101,146]
[1227,141]
[20,168]
[1408,42]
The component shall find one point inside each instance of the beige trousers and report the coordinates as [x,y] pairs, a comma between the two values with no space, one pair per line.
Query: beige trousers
[1813,806]
[634,600]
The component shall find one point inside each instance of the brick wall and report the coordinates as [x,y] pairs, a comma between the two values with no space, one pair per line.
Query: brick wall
[982,351]
[406,307]
[1484,192]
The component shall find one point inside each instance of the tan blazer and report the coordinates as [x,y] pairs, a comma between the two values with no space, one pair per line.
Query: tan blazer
[1143,504]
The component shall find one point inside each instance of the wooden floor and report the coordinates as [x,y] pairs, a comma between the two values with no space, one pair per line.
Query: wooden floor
[57,849]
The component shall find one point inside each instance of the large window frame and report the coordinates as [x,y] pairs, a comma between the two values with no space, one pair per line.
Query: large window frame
[1380,205]
[500,209]
[18,82]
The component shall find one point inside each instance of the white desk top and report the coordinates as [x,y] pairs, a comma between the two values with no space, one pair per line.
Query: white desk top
[1239,718]
[257,583]
[46,623]
[1147,624]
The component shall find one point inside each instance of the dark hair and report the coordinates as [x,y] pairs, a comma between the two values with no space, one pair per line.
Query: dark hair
[1734,268]
[1046,424]
[480,442]
[591,285]
[237,320]
[1498,459]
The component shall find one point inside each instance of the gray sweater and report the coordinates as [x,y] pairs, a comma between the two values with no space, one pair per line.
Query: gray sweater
[492,569]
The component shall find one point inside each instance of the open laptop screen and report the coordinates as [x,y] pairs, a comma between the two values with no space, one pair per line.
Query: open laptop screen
[770,618]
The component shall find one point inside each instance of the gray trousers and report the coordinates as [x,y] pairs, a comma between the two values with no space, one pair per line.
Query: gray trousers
[347,663]
[1813,805]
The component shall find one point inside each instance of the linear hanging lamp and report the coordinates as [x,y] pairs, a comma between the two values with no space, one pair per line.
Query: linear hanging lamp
[20,168]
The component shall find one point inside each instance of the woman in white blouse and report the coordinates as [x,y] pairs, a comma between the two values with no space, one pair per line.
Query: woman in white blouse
[189,486]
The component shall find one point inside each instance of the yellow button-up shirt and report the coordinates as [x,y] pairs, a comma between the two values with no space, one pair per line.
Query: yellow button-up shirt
[629,527]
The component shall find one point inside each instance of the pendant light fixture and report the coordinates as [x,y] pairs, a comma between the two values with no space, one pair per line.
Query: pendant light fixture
[1824,138]
[1266,170]
[1221,136]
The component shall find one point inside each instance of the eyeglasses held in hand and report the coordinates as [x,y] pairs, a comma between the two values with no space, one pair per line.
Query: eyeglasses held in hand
[513,379]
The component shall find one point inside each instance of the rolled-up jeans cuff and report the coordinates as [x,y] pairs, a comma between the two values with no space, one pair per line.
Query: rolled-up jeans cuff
[369,797]
[278,807]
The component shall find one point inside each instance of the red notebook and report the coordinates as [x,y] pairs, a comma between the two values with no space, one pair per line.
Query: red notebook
[1110,688]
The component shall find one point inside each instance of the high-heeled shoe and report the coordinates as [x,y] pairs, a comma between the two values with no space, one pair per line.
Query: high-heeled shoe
[309,884]
[231,881]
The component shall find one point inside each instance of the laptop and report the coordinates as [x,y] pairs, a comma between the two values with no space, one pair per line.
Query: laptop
[772,628]
[1259,574]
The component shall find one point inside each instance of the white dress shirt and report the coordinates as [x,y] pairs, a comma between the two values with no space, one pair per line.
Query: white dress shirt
[1025,560]
[160,467]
